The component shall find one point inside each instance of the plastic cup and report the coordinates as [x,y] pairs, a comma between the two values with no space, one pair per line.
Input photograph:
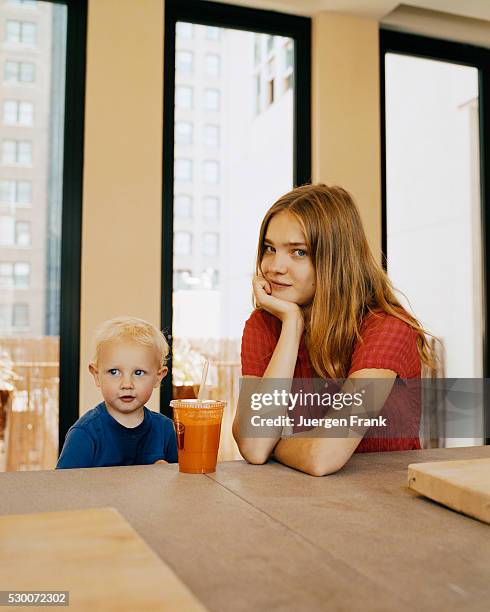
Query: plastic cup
[198,427]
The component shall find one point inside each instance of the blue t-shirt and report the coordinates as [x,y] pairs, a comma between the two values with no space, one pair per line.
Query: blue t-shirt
[98,440]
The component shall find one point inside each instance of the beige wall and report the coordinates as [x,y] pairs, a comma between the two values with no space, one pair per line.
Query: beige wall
[121,234]
[123,151]
[345,112]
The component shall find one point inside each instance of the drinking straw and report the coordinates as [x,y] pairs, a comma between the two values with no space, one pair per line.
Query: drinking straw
[203,380]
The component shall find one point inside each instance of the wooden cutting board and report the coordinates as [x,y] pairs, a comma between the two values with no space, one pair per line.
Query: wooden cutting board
[461,485]
[95,555]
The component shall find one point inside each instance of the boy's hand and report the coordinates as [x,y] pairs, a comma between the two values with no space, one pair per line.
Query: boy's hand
[281,309]
[160,461]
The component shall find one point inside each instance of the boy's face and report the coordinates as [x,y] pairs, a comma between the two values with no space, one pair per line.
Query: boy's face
[127,373]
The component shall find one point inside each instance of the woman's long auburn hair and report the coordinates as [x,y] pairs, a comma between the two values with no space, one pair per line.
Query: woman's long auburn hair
[349,281]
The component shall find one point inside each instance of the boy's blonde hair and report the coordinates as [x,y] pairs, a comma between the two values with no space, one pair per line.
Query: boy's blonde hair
[133,329]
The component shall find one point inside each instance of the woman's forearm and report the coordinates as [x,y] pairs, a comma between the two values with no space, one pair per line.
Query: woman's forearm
[281,367]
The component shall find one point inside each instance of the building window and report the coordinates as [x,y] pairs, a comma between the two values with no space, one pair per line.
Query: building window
[184,62]
[15,192]
[257,49]
[19,72]
[7,231]
[183,206]
[213,33]
[270,43]
[210,244]
[184,29]
[182,243]
[211,171]
[183,132]
[18,112]
[183,96]
[22,233]
[213,64]
[6,274]
[211,135]
[17,152]
[183,170]
[20,315]
[22,273]
[181,279]
[210,209]
[212,99]
[22,32]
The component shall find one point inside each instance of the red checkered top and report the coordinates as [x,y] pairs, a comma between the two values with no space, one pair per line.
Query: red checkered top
[386,343]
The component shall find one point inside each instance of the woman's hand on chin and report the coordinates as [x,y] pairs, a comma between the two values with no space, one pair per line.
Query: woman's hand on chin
[281,309]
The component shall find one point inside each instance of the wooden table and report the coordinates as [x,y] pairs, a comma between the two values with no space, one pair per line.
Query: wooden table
[269,538]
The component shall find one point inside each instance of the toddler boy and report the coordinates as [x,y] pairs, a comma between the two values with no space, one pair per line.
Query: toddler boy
[129,362]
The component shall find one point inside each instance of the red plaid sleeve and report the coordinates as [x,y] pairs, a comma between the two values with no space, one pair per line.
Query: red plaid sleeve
[258,343]
[387,343]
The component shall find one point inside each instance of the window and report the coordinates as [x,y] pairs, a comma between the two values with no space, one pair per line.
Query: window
[183,132]
[22,272]
[213,33]
[184,30]
[183,170]
[210,210]
[181,280]
[183,243]
[6,274]
[16,152]
[19,72]
[212,99]
[18,113]
[270,44]
[210,244]
[22,233]
[257,49]
[20,316]
[22,32]
[211,135]
[183,206]
[211,171]
[7,231]
[15,192]
[213,64]
[184,62]
[183,96]
[5,316]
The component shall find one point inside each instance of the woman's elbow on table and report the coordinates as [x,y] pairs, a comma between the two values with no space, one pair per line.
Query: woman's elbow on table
[250,449]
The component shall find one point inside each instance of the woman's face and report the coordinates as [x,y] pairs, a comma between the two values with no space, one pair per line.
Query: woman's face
[286,262]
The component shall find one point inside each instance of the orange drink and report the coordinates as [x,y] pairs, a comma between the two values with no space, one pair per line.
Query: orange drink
[197,426]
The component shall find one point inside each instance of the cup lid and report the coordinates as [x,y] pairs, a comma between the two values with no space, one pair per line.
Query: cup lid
[196,403]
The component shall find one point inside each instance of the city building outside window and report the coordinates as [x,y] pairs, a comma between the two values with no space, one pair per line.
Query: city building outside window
[22,272]
[183,132]
[211,172]
[181,278]
[211,135]
[184,62]
[7,231]
[182,243]
[20,315]
[183,170]
[210,210]
[22,32]
[183,206]
[210,244]
[6,274]
[213,64]
[184,97]
[212,99]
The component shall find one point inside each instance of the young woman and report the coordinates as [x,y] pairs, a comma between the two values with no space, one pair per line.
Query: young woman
[325,308]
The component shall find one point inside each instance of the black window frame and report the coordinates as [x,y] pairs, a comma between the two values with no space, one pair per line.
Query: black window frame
[469,55]
[71,218]
[238,18]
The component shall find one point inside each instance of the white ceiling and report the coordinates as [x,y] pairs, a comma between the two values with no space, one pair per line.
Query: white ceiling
[374,9]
